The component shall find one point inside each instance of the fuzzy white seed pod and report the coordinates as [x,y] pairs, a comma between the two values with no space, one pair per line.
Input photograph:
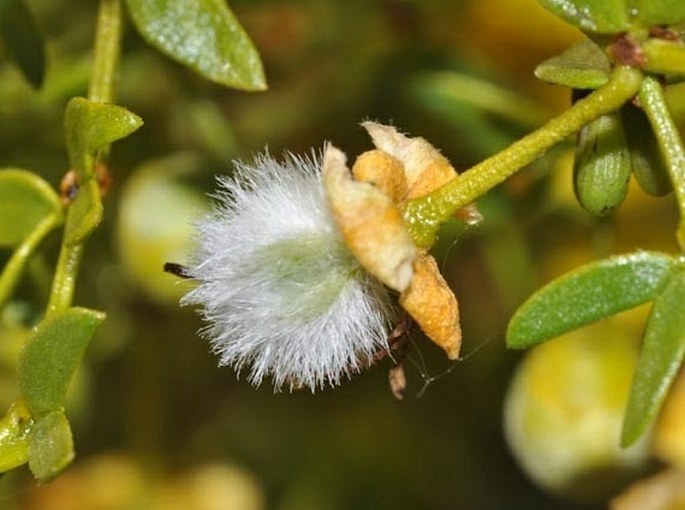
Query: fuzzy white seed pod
[279,290]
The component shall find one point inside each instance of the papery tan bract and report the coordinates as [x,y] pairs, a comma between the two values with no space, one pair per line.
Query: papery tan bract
[425,168]
[367,207]
[370,223]
[429,300]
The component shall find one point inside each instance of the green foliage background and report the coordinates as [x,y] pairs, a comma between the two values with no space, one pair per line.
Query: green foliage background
[150,392]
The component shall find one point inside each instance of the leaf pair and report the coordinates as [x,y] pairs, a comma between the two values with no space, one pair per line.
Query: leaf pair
[35,429]
[89,127]
[604,288]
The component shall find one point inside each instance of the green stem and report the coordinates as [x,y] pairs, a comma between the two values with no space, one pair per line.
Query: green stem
[654,105]
[14,267]
[425,214]
[107,51]
[664,57]
[101,88]
[62,292]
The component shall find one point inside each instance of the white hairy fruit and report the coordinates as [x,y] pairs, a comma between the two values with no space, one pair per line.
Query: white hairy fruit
[279,290]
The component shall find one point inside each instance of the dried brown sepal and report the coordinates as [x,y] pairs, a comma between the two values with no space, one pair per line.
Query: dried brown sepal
[433,306]
[371,224]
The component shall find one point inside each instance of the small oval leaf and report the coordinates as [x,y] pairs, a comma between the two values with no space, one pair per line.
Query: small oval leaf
[25,200]
[588,294]
[51,448]
[15,434]
[89,126]
[85,213]
[52,354]
[616,16]
[661,355]
[22,40]
[202,34]
[596,16]
[658,12]
[582,66]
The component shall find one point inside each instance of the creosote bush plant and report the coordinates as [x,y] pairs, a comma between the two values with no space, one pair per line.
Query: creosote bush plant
[312,268]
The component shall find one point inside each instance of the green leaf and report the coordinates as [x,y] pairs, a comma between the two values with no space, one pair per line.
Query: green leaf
[582,66]
[22,40]
[658,12]
[85,213]
[52,447]
[587,294]
[202,34]
[15,429]
[91,126]
[595,16]
[615,16]
[661,356]
[52,354]
[25,200]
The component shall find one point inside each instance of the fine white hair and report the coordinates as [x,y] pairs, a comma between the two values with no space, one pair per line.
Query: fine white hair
[280,292]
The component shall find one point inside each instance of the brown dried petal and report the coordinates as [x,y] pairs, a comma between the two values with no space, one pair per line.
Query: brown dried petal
[433,306]
[425,168]
[371,225]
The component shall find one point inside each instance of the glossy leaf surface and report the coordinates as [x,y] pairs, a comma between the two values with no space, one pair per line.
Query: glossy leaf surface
[598,16]
[91,126]
[582,66]
[51,448]
[202,34]
[615,16]
[15,429]
[588,294]
[658,12]
[661,356]
[25,200]
[52,354]
[22,40]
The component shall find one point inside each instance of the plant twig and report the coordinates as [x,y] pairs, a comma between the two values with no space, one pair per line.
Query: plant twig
[425,214]
[654,104]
